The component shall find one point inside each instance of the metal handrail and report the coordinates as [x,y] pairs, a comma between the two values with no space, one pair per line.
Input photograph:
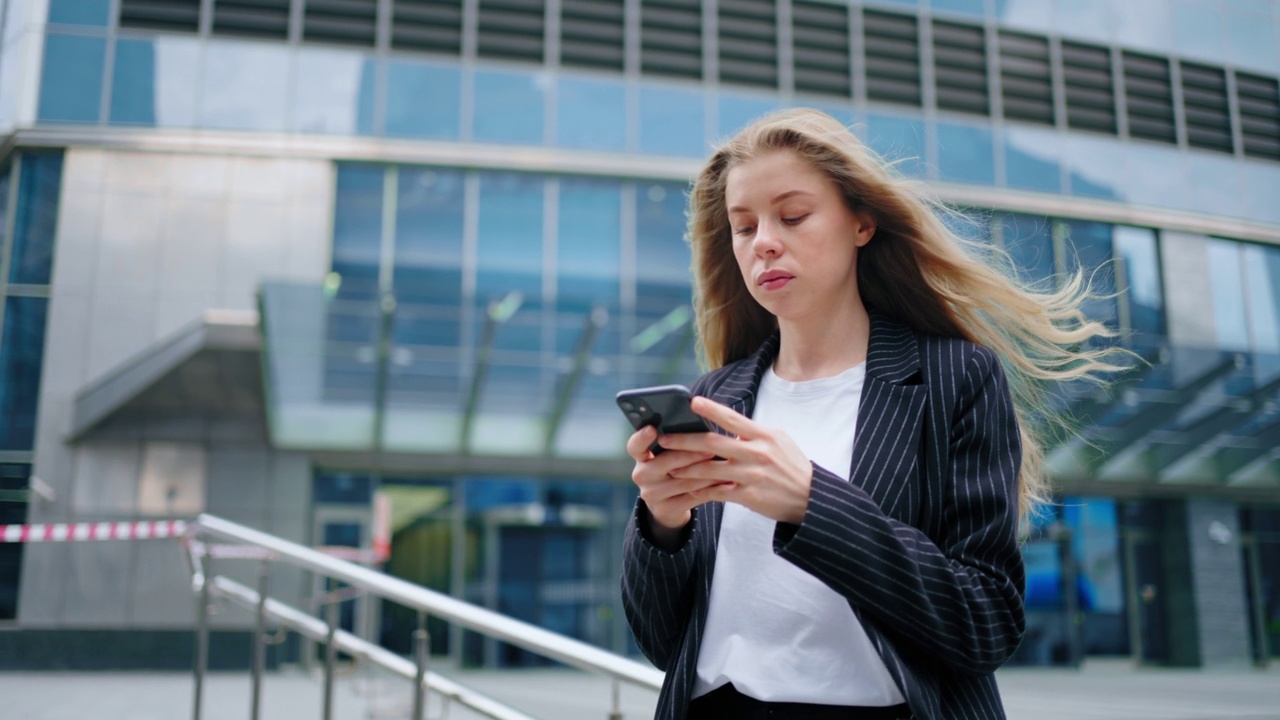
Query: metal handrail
[486,622]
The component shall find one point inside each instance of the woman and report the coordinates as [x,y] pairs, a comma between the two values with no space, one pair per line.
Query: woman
[846,546]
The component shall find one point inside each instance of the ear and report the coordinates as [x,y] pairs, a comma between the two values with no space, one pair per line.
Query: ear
[866,229]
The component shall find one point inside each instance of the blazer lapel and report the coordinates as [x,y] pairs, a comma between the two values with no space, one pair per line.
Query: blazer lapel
[886,448]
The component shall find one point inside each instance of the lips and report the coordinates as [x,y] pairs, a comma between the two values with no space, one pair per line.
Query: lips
[774,279]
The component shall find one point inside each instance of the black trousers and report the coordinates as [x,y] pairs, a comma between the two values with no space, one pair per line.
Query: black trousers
[726,703]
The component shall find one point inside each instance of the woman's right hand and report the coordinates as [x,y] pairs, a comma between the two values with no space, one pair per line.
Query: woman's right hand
[670,500]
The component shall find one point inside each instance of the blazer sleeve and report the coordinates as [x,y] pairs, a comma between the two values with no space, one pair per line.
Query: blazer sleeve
[959,599]
[658,584]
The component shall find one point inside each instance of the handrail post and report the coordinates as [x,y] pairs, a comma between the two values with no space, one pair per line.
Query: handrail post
[202,638]
[616,712]
[330,657]
[420,649]
[259,642]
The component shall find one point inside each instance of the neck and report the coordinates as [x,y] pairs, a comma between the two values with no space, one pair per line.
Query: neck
[824,345]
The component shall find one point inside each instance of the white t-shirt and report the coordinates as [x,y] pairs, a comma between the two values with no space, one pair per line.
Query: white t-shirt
[775,631]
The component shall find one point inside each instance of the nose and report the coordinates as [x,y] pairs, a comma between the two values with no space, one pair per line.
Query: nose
[767,240]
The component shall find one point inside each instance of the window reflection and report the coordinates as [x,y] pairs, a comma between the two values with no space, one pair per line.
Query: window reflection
[1031,159]
[1263,267]
[1026,14]
[246,87]
[154,82]
[588,246]
[736,111]
[80,12]
[1155,175]
[1088,19]
[1145,24]
[509,107]
[429,226]
[1214,185]
[1091,166]
[1088,248]
[1139,267]
[899,140]
[21,353]
[31,257]
[1251,43]
[425,100]
[334,92]
[1226,278]
[591,114]
[1028,239]
[966,154]
[509,253]
[663,278]
[1261,188]
[71,79]
[672,122]
[1197,29]
[357,229]
[975,8]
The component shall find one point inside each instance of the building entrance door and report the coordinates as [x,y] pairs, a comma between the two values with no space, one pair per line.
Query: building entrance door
[343,526]
[1146,598]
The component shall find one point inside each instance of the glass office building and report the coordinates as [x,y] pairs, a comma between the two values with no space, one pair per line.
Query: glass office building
[270,258]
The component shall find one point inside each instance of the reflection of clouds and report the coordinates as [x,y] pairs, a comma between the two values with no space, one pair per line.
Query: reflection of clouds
[1143,24]
[1155,175]
[245,86]
[1252,42]
[1142,268]
[1095,165]
[328,91]
[177,69]
[1263,268]
[1026,14]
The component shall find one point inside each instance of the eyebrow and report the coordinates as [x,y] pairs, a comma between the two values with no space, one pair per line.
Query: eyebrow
[779,198]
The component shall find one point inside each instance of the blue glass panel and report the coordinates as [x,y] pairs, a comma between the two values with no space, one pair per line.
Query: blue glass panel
[80,12]
[1197,29]
[1092,166]
[424,100]
[591,114]
[1261,188]
[428,256]
[71,82]
[1089,248]
[843,113]
[13,476]
[899,140]
[1029,241]
[896,3]
[246,86]
[1088,19]
[663,277]
[509,107]
[589,243]
[1144,24]
[1226,278]
[333,92]
[1263,267]
[1155,175]
[1136,249]
[1031,159]
[1213,184]
[966,154]
[737,111]
[21,353]
[672,122]
[36,219]
[976,8]
[357,228]
[154,82]
[1025,14]
[339,488]
[509,255]
[1251,42]
[483,493]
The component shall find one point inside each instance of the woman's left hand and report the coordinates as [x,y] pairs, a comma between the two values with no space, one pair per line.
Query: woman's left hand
[762,468]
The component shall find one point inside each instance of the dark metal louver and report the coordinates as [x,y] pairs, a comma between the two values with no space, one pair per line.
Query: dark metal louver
[592,34]
[176,15]
[1259,99]
[351,22]
[892,47]
[252,18]
[960,68]
[1026,78]
[671,37]
[748,42]
[1148,98]
[1086,73]
[820,40]
[511,29]
[431,25]
[1205,106]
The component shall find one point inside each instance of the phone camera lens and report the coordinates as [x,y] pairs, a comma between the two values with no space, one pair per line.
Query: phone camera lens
[643,409]
[626,405]
[635,416]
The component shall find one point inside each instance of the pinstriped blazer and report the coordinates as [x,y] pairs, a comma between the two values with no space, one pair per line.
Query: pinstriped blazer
[922,539]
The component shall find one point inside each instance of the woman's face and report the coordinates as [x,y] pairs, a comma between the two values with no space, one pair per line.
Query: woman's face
[795,240]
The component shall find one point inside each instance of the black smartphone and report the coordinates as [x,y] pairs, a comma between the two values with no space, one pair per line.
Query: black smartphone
[665,407]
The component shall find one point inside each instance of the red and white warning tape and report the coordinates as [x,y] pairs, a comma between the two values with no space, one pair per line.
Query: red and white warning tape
[79,532]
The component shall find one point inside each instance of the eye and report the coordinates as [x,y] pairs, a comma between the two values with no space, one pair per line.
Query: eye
[796,220]
[744,230]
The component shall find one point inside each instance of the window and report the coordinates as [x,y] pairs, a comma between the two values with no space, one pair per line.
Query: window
[155,82]
[966,154]
[14,478]
[1204,101]
[591,34]
[820,39]
[21,354]
[672,122]
[511,29]
[1086,72]
[71,80]
[1263,269]
[892,46]
[1138,279]
[333,92]
[431,25]
[592,114]
[588,245]
[960,68]
[509,255]
[35,221]
[748,42]
[1028,239]
[1148,98]
[1227,282]
[1259,115]
[424,99]
[80,12]
[246,86]
[172,15]
[1089,248]
[671,38]
[350,22]
[357,228]
[509,107]
[1026,82]
[428,242]
[252,18]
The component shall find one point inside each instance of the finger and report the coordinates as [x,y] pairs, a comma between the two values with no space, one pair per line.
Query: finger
[724,416]
[639,442]
[675,489]
[722,491]
[708,443]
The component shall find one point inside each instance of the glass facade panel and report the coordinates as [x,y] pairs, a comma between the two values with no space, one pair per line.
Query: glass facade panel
[34,229]
[424,100]
[591,114]
[14,477]
[80,12]
[1263,267]
[589,244]
[672,122]
[1144,24]
[1032,159]
[155,82]
[1155,175]
[1089,248]
[1026,14]
[357,228]
[737,111]
[245,87]
[1028,239]
[21,354]
[1252,43]
[509,252]
[428,253]
[898,140]
[334,92]
[509,107]
[1261,187]
[1091,166]
[1086,19]
[966,154]
[1139,263]
[1213,185]
[1198,29]
[1226,278]
[974,8]
[71,79]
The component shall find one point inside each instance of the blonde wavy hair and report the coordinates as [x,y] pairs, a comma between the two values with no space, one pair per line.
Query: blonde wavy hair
[915,270]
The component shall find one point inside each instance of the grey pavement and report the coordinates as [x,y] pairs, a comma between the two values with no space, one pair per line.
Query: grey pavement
[1110,690]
